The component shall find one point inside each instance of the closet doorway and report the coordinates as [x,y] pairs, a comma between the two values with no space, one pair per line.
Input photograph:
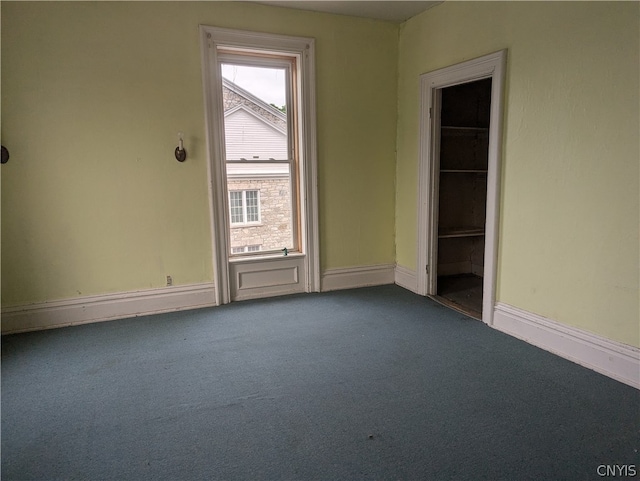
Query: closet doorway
[461,119]
[462,193]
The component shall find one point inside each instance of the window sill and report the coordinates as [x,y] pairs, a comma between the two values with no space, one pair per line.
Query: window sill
[240,226]
[265,257]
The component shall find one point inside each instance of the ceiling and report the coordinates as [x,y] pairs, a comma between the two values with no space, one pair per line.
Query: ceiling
[390,10]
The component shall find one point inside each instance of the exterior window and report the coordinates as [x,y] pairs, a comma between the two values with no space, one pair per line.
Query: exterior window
[252,214]
[244,206]
[242,249]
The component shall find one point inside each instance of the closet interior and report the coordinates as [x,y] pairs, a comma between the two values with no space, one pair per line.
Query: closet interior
[462,194]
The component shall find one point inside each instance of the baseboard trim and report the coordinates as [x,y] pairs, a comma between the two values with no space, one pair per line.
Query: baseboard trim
[352,277]
[406,278]
[613,359]
[82,310]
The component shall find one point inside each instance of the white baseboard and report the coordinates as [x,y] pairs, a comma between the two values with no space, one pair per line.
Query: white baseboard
[616,360]
[82,310]
[406,278]
[352,277]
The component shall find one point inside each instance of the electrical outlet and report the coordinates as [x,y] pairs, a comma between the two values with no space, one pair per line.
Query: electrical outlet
[169,281]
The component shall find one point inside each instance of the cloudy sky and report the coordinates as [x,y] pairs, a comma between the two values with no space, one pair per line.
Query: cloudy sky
[265,83]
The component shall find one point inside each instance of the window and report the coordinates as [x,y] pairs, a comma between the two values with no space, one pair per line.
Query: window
[259,142]
[260,96]
[242,249]
[244,206]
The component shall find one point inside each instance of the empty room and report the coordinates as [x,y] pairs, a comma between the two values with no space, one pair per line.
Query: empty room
[320,240]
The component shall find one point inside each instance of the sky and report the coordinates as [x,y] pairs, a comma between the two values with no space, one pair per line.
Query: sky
[265,83]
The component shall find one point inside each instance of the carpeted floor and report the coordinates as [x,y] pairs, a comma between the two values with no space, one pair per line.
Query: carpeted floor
[373,383]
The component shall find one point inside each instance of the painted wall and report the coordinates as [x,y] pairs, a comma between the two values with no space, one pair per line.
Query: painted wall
[93,95]
[569,224]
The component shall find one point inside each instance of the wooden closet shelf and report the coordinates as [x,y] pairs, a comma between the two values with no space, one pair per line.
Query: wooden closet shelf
[464,171]
[448,232]
[465,129]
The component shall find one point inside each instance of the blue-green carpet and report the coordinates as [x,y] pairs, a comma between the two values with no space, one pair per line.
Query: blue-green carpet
[373,383]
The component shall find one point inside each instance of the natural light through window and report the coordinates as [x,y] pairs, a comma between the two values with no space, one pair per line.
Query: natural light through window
[260,153]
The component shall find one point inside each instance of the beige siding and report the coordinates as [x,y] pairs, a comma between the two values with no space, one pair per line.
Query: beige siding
[248,137]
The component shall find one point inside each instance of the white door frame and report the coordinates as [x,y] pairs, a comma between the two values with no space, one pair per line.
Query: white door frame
[304,50]
[489,66]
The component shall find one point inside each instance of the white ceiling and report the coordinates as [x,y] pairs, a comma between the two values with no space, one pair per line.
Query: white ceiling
[389,10]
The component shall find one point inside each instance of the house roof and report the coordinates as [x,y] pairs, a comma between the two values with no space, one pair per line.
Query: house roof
[252,98]
[257,115]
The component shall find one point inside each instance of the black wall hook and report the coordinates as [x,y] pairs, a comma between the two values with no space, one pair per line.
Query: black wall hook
[5,155]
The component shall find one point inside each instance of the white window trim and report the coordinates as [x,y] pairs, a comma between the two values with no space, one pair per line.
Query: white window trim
[304,49]
[244,222]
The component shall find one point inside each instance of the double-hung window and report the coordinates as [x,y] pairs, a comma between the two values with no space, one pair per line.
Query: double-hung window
[260,109]
[244,206]
[260,98]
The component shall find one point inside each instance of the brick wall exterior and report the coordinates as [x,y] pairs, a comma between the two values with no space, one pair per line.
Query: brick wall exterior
[274,231]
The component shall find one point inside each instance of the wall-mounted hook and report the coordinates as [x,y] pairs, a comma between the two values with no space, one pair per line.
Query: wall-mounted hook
[181,154]
[5,155]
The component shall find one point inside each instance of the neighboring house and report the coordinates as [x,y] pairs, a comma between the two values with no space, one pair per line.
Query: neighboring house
[259,193]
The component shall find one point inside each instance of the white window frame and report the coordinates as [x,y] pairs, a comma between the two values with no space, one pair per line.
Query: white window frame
[244,221]
[212,38]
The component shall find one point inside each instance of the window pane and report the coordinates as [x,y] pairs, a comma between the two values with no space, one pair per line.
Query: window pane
[258,154]
[255,118]
[235,202]
[269,215]
[252,206]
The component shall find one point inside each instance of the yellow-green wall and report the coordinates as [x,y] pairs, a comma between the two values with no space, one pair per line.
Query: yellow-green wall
[93,95]
[569,223]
